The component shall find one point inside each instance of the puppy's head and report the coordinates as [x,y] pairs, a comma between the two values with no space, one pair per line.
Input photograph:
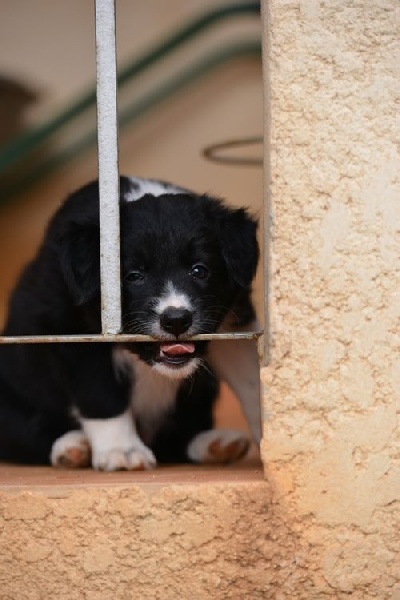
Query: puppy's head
[185,259]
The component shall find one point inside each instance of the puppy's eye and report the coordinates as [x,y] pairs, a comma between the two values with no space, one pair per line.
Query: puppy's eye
[135,277]
[199,271]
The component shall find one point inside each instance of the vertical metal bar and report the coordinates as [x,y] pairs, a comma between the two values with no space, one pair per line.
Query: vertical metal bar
[107,135]
[264,347]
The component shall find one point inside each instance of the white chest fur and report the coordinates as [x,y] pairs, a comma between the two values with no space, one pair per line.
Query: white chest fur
[153,394]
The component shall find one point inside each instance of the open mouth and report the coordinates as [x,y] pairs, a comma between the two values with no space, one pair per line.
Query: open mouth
[176,354]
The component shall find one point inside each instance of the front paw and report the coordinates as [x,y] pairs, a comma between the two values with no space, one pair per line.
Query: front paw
[221,446]
[71,451]
[116,445]
[136,458]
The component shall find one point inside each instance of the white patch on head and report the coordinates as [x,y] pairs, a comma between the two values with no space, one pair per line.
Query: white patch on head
[218,446]
[116,444]
[141,187]
[172,298]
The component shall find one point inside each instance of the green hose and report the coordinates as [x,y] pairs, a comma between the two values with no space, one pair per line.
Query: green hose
[17,151]
[151,100]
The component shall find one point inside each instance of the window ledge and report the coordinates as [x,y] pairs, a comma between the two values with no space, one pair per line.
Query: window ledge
[58,482]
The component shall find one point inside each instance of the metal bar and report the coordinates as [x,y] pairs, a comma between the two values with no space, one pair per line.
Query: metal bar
[121,338]
[107,140]
[266,219]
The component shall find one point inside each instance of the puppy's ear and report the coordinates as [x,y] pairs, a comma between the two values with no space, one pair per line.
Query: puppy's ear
[80,261]
[238,234]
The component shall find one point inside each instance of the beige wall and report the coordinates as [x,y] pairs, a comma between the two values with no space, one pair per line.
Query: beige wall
[332,390]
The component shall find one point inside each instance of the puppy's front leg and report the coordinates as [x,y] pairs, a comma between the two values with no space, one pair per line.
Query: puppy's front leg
[102,406]
[116,445]
[236,362]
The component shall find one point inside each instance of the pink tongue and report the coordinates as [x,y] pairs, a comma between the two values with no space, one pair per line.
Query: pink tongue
[175,349]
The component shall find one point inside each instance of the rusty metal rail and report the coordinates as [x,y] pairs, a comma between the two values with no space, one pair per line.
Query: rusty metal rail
[121,338]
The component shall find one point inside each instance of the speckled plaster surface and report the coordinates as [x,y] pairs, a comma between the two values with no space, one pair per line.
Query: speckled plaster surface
[194,542]
[332,389]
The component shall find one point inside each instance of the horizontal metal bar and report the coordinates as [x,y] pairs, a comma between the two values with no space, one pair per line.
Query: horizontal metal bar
[121,338]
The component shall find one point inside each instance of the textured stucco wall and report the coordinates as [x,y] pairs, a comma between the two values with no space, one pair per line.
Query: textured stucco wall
[332,389]
[194,542]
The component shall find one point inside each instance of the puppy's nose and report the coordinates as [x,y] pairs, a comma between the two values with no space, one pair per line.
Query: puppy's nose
[176,320]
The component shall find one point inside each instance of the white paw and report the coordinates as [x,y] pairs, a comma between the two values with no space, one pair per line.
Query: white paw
[116,444]
[218,446]
[136,458]
[71,450]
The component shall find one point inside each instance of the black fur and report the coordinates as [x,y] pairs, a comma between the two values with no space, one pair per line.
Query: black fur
[59,293]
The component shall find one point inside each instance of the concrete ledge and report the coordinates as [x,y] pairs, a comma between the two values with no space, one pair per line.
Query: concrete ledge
[183,532]
[51,482]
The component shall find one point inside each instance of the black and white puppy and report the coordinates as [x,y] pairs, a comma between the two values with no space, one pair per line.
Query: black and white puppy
[187,265]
